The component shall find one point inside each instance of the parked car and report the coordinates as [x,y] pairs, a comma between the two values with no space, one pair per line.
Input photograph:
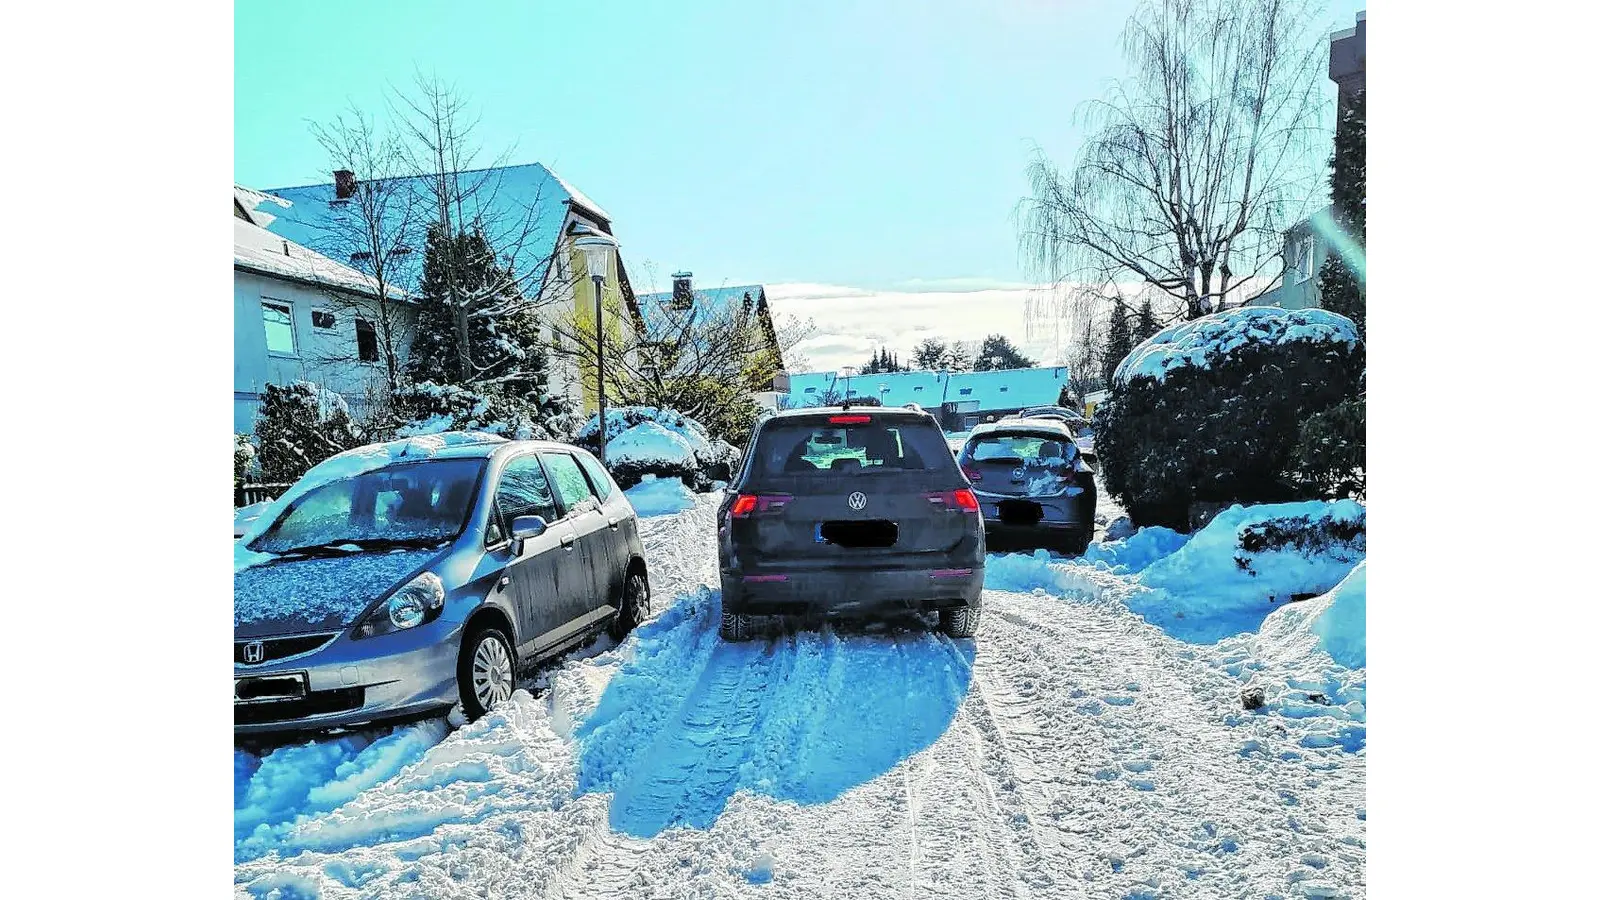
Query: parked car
[428,580]
[850,512]
[1033,486]
[1082,430]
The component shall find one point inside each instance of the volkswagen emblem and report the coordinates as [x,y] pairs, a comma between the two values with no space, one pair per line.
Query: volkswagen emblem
[858,501]
[254,651]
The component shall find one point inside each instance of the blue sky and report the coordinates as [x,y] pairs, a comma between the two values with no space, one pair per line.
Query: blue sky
[877,145]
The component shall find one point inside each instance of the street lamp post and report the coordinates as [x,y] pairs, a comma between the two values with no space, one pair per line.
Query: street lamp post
[597,250]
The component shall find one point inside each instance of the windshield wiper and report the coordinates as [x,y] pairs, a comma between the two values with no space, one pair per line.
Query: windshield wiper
[350,547]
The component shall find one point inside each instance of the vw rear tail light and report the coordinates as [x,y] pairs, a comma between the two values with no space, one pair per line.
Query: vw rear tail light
[747,505]
[962,500]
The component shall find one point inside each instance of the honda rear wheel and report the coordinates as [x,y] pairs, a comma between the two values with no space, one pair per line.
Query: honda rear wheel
[635,606]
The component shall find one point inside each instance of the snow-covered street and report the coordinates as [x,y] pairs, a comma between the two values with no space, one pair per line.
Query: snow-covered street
[1076,748]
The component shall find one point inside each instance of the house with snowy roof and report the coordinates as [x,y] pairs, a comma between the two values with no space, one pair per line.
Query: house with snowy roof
[665,314]
[300,316]
[529,215]
[959,400]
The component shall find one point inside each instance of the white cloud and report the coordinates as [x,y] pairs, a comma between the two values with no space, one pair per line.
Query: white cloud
[852,322]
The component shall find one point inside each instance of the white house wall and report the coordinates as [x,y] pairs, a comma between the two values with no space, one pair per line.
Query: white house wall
[318,351]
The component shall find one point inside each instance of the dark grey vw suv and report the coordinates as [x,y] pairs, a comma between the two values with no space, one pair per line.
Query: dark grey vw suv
[423,574]
[850,512]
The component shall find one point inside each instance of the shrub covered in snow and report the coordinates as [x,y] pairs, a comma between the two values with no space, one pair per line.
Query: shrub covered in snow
[1211,410]
[244,459]
[1247,561]
[299,426]
[430,408]
[644,440]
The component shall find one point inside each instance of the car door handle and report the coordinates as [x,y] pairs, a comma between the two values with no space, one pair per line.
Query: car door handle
[568,540]
[505,581]
[612,522]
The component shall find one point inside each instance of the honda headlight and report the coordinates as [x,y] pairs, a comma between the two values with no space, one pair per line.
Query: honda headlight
[419,600]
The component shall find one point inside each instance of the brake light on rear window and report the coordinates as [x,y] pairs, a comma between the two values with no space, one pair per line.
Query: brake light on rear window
[963,500]
[849,420]
[746,505]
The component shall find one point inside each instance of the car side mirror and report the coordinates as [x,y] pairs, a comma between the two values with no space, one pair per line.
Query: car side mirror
[526,527]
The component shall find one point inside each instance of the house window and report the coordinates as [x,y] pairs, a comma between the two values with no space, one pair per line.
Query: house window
[1304,255]
[917,388]
[811,390]
[966,391]
[366,341]
[1004,389]
[321,318]
[279,321]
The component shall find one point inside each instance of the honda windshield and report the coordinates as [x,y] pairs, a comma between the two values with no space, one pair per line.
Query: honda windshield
[409,505]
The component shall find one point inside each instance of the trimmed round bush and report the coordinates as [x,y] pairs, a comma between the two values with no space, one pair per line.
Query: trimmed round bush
[1211,410]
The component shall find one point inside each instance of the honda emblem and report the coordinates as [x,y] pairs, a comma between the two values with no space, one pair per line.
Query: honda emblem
[858,501]
[254,652]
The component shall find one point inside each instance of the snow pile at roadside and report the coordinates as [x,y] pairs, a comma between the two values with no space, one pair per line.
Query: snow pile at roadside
[659,496]
[1134,553]
[344,465]
[1233,572]
[650,444]
[1206,341]
[1341,627]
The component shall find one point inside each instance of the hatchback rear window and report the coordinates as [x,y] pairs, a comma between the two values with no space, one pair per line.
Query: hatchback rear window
[824,448]
[1022,449]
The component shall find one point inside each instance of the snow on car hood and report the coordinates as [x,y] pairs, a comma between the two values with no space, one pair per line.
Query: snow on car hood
[319,594]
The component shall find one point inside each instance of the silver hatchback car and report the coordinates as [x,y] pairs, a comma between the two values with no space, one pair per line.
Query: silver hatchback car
[424,574]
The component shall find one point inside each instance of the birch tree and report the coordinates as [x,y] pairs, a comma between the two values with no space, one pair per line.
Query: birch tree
[1194,162]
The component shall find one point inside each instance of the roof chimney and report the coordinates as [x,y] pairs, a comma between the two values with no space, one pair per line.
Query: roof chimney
[344,184]
[682,290]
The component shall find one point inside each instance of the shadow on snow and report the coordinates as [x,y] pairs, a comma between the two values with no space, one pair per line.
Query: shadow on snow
[802,717]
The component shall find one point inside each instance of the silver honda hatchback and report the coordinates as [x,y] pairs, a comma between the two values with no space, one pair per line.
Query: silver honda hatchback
[398,579]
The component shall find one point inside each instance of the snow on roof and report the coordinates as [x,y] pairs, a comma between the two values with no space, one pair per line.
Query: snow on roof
[526,204]
[258,250]
[997,389]
[657,308]
[1205,341]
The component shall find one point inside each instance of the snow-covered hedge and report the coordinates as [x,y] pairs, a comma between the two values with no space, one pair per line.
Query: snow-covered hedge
[1249,560]
[1216,339]
[431,408]
[644,440]
[1211,410]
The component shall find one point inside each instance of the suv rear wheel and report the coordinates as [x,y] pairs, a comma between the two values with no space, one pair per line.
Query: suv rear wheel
[960,623]
[735,627]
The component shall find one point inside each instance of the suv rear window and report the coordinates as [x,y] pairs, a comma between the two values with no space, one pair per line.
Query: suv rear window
[822,448]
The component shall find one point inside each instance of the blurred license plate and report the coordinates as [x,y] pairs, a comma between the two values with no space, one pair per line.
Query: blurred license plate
[269,687]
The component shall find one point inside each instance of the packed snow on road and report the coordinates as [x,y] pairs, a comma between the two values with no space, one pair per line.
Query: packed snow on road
[1166,716]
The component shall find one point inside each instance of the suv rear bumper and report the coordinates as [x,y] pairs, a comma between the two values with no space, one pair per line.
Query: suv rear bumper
[851,591]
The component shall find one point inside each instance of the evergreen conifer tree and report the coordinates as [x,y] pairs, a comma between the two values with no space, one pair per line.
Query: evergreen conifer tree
[1119,341]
